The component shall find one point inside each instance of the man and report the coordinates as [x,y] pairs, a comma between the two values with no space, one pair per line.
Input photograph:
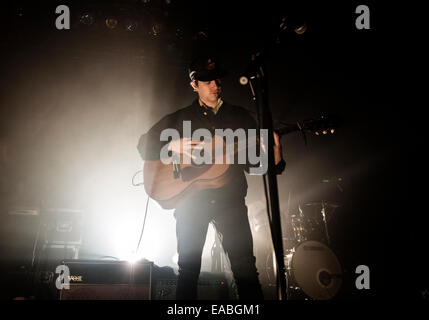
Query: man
[224,207]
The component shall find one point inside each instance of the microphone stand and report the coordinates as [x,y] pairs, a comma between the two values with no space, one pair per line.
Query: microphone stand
[259,89]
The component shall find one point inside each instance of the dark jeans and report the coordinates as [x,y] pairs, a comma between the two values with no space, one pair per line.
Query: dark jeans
[230,219]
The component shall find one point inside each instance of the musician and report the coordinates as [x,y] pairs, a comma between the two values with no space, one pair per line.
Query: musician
[224,207]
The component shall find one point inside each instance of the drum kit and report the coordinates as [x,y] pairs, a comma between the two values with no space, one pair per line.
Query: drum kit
[313,271]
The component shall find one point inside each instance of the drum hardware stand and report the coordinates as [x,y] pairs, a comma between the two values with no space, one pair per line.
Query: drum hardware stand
[325,222]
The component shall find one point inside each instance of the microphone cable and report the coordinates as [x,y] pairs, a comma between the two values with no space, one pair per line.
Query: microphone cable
[144,223]
[145,213]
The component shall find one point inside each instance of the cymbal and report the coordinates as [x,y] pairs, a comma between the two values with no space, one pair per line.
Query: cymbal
[329,204]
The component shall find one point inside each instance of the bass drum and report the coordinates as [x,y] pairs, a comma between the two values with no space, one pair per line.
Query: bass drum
[314,269]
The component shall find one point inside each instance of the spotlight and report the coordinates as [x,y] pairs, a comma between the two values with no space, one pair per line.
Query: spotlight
[175,258]
[155,30]
[283,25]
[131,25]
[301,29]
[87,19]
[111,23]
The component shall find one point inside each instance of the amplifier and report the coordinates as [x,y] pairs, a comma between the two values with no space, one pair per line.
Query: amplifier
[18,234]
[107,280]
[63,226]
[211,286]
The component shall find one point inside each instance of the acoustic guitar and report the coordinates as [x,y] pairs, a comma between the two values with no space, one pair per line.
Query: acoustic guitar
[171,184]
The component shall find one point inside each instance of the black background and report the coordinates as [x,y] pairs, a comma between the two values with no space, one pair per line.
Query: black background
[333,68]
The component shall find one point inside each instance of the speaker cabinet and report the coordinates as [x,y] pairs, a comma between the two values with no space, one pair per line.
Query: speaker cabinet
[211,286]
[107,280]
[106,292]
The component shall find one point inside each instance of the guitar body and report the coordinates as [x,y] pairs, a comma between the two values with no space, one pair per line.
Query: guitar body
[169,191]
[161,185]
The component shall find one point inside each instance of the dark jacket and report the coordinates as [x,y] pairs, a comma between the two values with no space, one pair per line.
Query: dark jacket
[228,116]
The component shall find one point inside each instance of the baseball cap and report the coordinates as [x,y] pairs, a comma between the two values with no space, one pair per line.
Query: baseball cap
[205,69]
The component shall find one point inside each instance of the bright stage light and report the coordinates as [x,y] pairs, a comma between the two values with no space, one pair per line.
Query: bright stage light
[131,25]
[125,211]
[131,258]
[301,29]
[156,29]
[111,23]
[87,19]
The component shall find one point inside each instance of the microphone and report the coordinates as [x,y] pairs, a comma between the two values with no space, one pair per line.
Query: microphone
[251,70]
[243,80]
[176,167]
[247,75]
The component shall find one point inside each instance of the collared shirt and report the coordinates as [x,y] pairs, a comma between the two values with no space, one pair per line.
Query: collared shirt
[215,109]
